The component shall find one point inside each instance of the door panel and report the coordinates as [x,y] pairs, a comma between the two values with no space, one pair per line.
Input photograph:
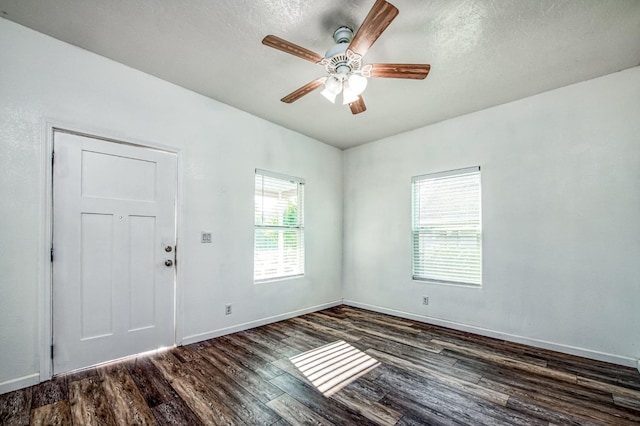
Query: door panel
[111,176]
[96,264]
[142,231]
[114,214]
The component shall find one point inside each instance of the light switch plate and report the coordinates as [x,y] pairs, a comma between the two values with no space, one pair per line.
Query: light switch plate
[205,237]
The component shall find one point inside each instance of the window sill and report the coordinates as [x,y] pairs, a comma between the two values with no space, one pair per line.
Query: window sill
[278,279]
[446,283]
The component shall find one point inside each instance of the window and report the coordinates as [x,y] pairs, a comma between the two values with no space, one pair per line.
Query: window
[279,227]
[447,233]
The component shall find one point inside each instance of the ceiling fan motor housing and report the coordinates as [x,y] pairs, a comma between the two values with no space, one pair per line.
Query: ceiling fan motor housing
[339,61]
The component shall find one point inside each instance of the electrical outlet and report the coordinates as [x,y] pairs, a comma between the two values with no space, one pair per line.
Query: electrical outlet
[205,237]
[425,300]
[227,309]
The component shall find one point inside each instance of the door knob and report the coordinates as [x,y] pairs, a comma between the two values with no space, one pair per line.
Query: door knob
[168,249]
[168,262]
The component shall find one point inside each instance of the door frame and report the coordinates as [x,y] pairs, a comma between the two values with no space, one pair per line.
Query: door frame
[49,127]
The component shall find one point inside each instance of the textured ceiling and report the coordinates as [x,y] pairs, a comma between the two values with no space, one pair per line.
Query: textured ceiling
[482,53]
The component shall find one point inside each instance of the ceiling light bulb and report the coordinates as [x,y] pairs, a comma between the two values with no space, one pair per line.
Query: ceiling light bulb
[348,95]
[357,83]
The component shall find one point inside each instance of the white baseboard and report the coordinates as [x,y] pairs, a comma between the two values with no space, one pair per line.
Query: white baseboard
[558,347]
[257,323]
[19,383]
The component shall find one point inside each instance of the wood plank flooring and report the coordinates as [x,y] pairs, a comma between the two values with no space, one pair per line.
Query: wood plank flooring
[429,375]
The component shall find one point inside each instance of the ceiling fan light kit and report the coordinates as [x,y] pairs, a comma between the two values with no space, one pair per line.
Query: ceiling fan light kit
[343,64]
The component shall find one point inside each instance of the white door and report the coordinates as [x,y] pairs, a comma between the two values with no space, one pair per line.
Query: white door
[114,222]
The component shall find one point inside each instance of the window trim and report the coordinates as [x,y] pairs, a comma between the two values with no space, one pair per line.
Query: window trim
[414,228]
[278,176]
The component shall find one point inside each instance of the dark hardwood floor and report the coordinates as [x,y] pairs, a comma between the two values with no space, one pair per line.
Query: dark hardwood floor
[428,375]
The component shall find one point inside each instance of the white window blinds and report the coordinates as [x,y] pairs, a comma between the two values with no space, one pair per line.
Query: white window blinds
[279,226]
[447,234]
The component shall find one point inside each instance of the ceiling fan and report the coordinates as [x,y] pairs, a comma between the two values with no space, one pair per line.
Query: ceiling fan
[346,72]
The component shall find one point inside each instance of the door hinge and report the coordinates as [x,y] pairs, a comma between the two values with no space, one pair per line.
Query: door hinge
[53,156]
[52,253]
[51,351]
[175,256]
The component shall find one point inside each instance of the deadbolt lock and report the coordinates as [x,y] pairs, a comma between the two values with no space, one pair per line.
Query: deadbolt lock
[168,262]
[168,249]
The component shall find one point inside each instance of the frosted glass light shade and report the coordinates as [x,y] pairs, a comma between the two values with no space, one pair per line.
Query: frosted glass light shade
[329,95]
[357,83]
[332,88]
[333,85]
[348,95]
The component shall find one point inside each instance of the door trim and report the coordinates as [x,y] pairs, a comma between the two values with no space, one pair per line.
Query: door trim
[49,126]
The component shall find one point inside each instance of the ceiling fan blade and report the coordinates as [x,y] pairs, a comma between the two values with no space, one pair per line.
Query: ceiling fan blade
[293,49]
[378,19]
[358,106]
[304,90]
[414,71]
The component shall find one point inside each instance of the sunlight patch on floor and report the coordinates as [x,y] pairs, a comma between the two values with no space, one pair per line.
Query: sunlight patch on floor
[331,367]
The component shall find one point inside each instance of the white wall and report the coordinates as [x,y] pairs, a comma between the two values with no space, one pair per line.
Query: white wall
[44,79]
[560,211]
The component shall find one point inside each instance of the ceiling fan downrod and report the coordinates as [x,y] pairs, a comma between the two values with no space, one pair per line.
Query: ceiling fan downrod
[343,35]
